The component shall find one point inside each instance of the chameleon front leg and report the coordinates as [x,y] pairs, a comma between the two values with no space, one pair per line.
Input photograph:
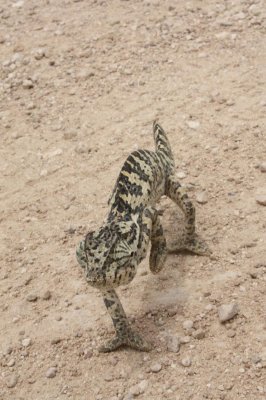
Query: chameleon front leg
[189,240]
[154,229]
[125,336]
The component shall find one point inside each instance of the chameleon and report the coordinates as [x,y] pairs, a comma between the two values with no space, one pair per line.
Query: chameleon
[111,254]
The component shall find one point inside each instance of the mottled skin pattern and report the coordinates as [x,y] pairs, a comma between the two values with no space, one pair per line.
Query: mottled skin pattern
[111,254]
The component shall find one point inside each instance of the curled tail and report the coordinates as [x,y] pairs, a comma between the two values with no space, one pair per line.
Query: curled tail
[163,147]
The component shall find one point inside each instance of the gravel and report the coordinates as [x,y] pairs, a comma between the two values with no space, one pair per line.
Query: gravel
[188,324]
[173,343]
[199,334]
[201,197]
[7,350]
[26,342]
[184,339]
[227,311]
[193,124]
[180,175]
[263,166]
[39,53]
[51,372]
[46,295]
[261,199]
[156,367]
[11,362]
[184,56]
[139,388]
[11,381]
[186,361]
[231,333]
[32,297]
[27,84]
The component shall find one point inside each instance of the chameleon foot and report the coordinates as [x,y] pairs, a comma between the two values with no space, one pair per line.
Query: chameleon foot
[197,246]
[130,339]
[194,245]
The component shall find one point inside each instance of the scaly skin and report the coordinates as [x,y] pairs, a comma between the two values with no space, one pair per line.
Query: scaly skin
[111,254]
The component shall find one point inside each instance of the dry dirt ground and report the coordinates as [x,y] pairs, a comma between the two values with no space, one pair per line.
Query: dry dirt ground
[80,84]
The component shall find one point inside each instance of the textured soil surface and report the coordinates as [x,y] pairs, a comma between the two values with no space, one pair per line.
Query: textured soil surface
[80,84]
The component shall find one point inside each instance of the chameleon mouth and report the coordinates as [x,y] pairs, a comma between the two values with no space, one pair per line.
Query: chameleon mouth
[95,280]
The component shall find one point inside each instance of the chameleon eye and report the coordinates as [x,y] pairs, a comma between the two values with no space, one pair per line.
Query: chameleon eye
[127,218]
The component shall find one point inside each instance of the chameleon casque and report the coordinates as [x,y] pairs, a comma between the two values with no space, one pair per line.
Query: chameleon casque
[111,254]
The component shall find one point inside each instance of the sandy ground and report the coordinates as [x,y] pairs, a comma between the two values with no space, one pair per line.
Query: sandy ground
[80,84]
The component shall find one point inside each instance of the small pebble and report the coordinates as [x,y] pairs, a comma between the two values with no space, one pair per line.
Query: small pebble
[87,354]
[70,135]
[129,396]
[24,353]
[54,153]
[230,102]
[39,53]
[26,342]
[227,311]
[188,324]
[180,175]
[82,148]
[47,295]
[7,350]
[193,124]
[11,381]
[202,198]
[254,274]
[222,35]
[173,344]
[139,388]
[184,339]
[231,333]
[143,385]
[31,297]
[27,84]
[71,230]
[43,172]
[256,358]
[18,4]
[186,361]
[51,372]
[156,367]
[254,9]
[199,334]
[229,385]
[261,199]
[30,106]
[84,74]
[56,340]
[11,362]
[108,378]
[16,135]
[240,16]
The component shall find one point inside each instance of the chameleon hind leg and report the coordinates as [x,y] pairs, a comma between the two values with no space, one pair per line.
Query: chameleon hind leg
[189,240]
[125,336]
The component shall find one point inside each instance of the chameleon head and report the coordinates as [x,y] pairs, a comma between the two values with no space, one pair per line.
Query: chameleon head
[114,243]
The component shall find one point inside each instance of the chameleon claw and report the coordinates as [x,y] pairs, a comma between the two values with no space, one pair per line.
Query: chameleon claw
[131,339]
